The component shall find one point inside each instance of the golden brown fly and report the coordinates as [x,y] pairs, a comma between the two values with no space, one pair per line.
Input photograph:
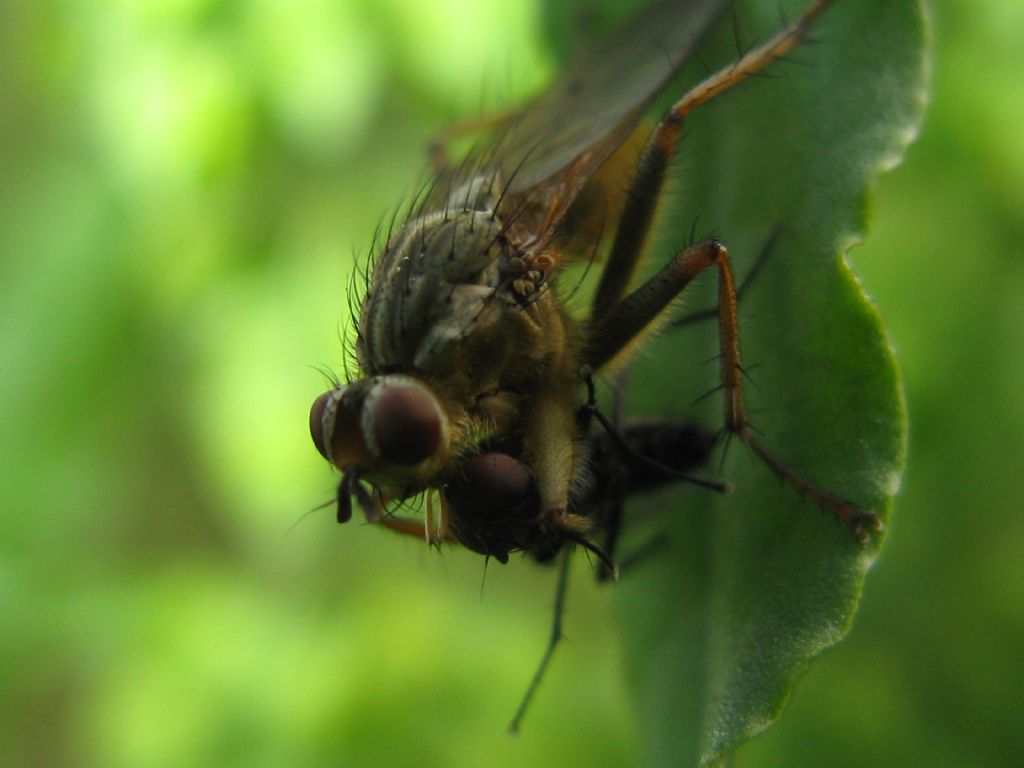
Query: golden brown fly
[475,381]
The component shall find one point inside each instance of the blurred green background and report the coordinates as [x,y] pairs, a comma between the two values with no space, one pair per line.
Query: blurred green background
[184,184]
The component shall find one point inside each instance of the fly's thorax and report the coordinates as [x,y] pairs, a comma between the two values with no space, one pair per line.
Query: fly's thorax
[430,288]
[392,430]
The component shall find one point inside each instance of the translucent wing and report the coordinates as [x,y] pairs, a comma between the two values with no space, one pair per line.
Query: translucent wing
[548,150]
[599,98]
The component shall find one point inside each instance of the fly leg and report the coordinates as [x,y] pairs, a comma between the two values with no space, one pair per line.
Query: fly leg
[712,312]
[553,640]
[374,507]
[649,178]
[658,452]
[619,322]
[631,459]
[409,527]
[629,319]
[550,450]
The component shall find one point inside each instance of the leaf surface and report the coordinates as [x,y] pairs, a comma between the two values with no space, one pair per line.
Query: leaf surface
[747,589]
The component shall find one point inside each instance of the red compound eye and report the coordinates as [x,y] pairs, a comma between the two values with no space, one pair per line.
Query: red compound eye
[493,504]
[316,423]
[492,485]
[406,424]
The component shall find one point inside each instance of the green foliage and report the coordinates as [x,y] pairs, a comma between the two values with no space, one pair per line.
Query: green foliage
[184,183]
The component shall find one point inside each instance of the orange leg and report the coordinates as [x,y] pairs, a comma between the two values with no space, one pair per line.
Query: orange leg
[431,528]
[654,161]
[631,318]
[620,321]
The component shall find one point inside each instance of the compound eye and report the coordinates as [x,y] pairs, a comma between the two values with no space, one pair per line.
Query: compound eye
[494,486]
[407,424]
[316,423]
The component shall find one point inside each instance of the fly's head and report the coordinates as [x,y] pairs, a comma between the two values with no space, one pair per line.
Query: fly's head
[492,506]
[390,430]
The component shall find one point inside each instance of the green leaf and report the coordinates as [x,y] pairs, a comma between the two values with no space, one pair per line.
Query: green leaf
[719,624]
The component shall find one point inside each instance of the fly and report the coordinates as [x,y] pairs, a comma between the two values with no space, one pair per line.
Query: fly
[473,375]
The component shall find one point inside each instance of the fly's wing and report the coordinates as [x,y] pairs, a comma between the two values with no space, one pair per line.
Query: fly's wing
[547,152]
[597,101]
